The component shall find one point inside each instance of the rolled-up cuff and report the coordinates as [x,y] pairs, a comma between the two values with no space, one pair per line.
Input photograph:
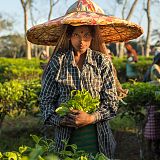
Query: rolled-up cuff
[96,116]
[99,116]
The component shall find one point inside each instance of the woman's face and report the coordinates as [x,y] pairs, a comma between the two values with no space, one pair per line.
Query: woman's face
[81,39]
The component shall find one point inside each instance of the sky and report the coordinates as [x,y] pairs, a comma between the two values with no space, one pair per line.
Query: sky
[12,10]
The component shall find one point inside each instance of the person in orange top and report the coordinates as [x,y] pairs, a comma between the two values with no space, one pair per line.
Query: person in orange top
[132,58]
[131,52]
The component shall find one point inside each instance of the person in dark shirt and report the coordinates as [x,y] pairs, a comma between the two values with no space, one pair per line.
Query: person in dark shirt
[81,61]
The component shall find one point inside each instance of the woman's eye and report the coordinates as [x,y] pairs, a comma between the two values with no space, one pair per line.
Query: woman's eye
[75,35]
[87,35]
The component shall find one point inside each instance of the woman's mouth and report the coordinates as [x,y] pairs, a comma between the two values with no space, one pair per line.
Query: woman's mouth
[81,47]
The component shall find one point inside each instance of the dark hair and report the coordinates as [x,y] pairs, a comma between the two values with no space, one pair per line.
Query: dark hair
[71,28]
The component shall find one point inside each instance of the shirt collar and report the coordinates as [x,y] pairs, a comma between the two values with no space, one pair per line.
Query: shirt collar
[70,58]
[90,57]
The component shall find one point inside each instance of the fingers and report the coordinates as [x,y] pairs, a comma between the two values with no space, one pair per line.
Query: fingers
[67,121]
[75,111]
[73,114]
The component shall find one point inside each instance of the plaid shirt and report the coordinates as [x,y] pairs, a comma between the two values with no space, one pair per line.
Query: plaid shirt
[62,75]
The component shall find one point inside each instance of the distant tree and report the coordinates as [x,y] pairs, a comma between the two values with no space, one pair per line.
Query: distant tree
[26,5]
[5,24]
[132,10]
[120,46]
[141,44]
[152,34]
[148,39]
[128,17]
[52,3]
[12,46]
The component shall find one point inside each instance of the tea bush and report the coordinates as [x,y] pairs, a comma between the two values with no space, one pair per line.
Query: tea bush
[139,97]
[140,67]
[17,97]
[21,69]
[44,149]
[30,69]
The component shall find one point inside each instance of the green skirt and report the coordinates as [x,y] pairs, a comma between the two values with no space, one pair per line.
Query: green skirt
[86,139]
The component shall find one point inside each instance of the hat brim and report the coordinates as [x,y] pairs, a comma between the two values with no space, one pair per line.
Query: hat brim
[112,29]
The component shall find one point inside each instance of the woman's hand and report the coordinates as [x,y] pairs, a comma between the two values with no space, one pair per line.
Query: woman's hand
[81,118]
[77,119]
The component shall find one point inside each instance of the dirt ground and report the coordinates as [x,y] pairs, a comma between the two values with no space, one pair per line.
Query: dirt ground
[127,146]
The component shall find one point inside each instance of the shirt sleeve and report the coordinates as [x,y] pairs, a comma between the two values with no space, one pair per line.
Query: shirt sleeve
[108,94]
[49,93]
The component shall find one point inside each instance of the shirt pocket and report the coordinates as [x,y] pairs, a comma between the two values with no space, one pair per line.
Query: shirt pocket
[62,79]
[65,79]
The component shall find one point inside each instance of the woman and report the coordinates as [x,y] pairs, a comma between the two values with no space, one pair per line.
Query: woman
[131,72]
[152,127]
[132,58]
[80,60]
[79,68]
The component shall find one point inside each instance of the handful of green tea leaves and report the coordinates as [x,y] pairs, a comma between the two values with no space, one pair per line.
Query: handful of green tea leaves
[80,100]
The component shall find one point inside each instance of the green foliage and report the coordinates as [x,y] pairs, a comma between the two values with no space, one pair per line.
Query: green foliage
[140,67]
[80,100]
[141,93]
[25,70]
[19,87]
[21,69]
[122,122]
[140,96]
[44,149]
[31,91]
[18,96]
[5,24]
[10,92]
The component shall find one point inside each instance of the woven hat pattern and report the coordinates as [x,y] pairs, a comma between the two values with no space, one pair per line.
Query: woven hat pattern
[85,12]
[85,6]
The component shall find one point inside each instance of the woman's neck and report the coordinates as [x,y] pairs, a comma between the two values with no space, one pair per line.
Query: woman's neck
[79,59]
[79,54]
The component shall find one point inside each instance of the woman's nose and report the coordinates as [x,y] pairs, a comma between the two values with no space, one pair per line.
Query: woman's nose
[80,38]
